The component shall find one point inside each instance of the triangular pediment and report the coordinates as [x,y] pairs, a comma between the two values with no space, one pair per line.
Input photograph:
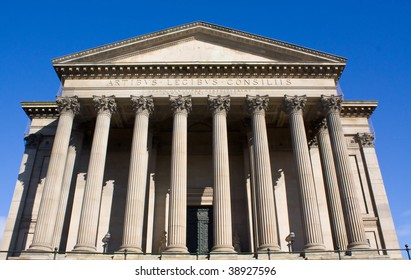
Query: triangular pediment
[188,51]
[198,43]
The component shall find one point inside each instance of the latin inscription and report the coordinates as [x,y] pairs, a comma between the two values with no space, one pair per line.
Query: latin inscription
[198,82]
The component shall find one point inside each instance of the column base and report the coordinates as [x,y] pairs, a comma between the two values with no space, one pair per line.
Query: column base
[40,248]
[223,249]
[359,245]
[271,247]
[176,249]
[131,249]
[314,247]
[84,248]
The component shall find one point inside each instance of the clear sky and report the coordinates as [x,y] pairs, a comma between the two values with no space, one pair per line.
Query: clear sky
[374,36]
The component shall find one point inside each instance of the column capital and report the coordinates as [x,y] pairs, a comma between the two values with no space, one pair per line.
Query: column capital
[294,104]
[142,104]
[257,104]
[219,103]
[365,139]
[331,103]
[320,125]
[68,104]
[105,104]
[181,103]
[33,140]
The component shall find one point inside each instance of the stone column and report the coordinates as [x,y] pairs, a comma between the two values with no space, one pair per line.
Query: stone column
[267,224]
[223,237]
[46,218]
[352,214]
[72,154]
[177,227]
[294,106]
[137,178]
[331,186]
[87,233]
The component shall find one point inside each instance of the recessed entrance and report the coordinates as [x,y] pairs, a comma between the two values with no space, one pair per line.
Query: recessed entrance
[199,229]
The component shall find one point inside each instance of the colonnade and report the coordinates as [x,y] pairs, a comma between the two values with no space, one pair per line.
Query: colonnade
[347,225]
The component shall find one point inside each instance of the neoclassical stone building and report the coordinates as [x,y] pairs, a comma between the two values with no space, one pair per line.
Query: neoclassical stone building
[199,138]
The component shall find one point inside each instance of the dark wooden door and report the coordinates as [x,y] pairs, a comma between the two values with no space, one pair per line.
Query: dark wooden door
[199,229]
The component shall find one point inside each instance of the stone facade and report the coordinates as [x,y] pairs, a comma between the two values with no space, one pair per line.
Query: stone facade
[199,139]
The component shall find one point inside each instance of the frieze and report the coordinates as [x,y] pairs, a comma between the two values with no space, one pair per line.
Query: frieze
[197,82]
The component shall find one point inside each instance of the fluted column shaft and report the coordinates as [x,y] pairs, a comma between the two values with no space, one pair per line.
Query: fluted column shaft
[223,239]
[349,199]
[87,233]
[137,178]
[74,147]
[331,185]
[177,225]
[310,215]
[46,218]
[267,224]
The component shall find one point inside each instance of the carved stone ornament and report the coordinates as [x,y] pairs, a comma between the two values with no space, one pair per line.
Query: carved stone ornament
[142,103]
[219,103]
[105,104]
[257,104]
[68,104]
[320,125]
[365,139]
[293,104]
[181,103]
[33,140]
[331,103]
[313,142]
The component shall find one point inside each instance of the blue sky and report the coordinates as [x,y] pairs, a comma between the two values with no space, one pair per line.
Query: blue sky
[373,35]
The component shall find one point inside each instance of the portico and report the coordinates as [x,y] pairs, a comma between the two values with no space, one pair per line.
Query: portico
[172,120]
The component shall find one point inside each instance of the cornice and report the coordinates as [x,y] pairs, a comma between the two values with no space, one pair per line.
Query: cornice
[209,70]
[40,109]
[358,108]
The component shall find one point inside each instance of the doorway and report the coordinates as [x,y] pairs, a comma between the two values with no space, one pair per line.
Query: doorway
[199,229]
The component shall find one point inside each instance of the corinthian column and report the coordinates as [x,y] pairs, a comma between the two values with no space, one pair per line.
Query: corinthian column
[219,107]
[352,214]
[181,107]
[87,233]
[267,224]
[46,218]
[294,106]
[71,161]
[331,185]
[137,177]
